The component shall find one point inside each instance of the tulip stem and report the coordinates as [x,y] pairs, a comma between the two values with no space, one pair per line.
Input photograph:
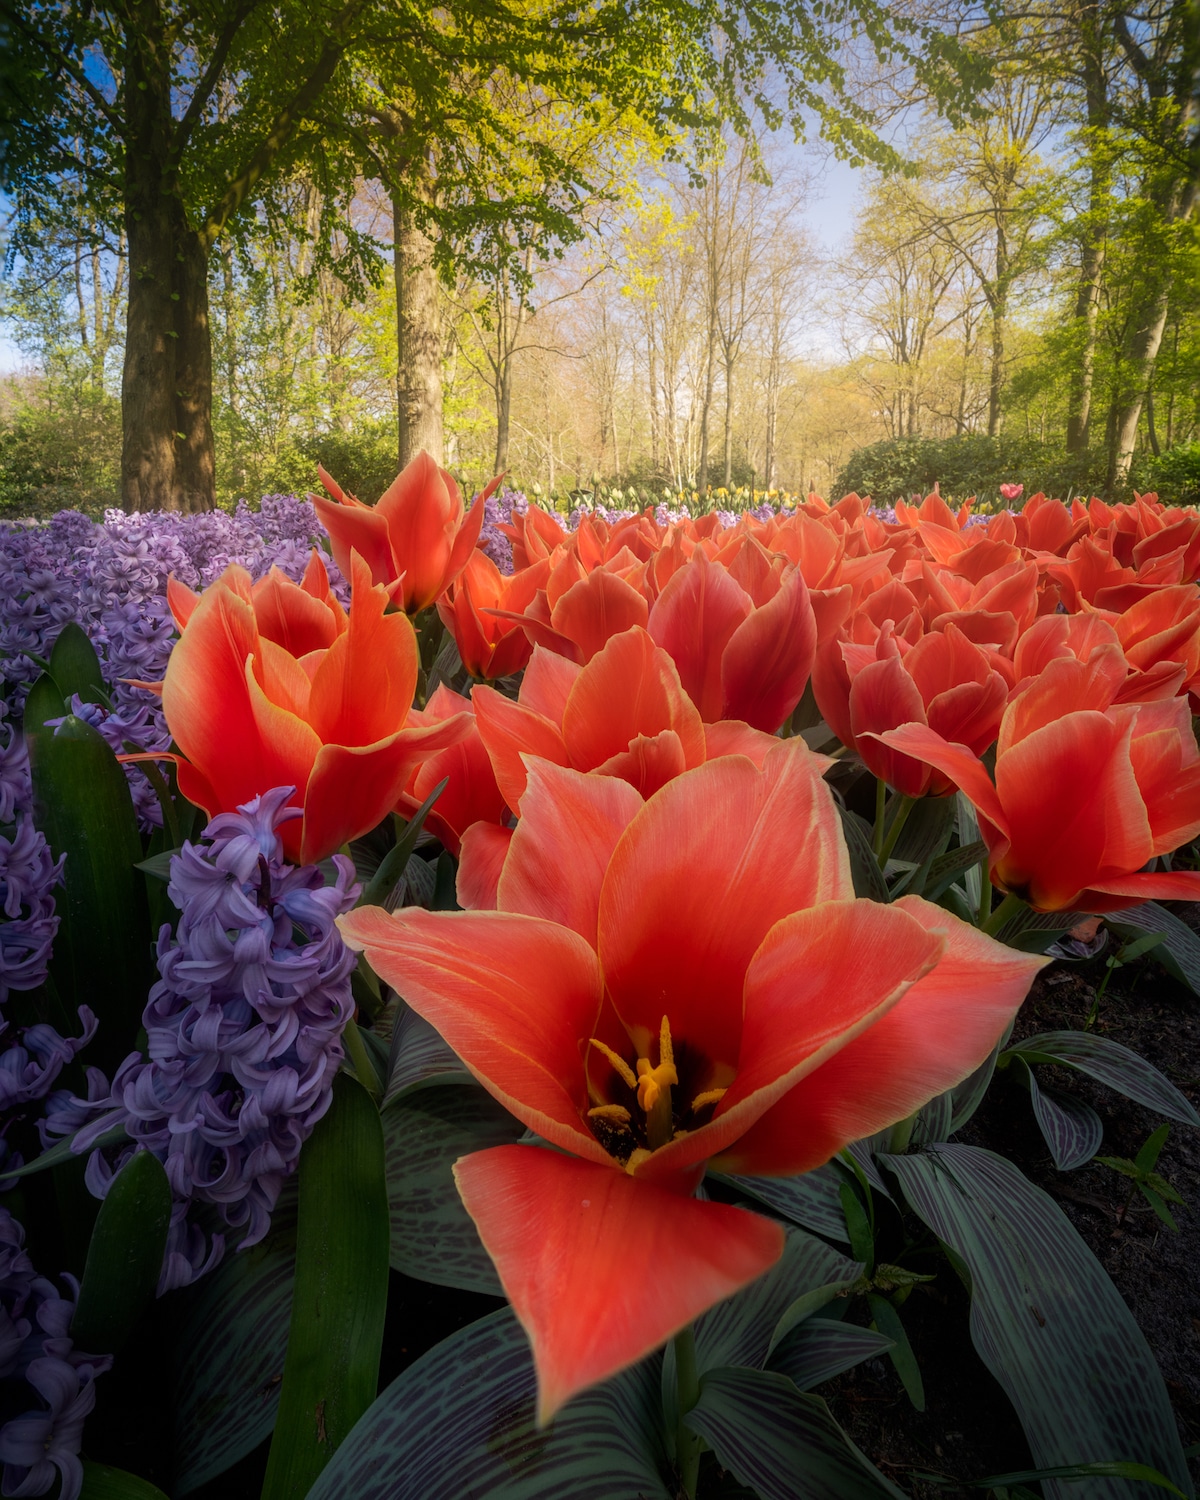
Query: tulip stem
[901,817]
[880,806]
[363,1066]
[1007,909]
[985,894]
[688,1444]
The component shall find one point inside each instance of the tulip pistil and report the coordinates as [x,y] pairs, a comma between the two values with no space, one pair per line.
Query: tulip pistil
[651,1086]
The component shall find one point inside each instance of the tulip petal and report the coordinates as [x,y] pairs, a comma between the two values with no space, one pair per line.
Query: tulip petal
[510,731]
[1075,813]
[595,609]
[649,762]
[357,528]
[353,787]
[820,978]
[884,696]
[600,1268]
[514,996]
[769,659]
[942,1028]
[1150,885]
[732,737]
[693,620]
[960,765]
[547,683]
[697,880]
[291,617]
[481,859]
[182,600]
[569,827]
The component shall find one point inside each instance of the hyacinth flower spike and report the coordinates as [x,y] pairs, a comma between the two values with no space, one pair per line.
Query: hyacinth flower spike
[666,983]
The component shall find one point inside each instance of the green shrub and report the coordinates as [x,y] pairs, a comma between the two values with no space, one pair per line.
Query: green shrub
[1174,475]
[60,455]
[969,465]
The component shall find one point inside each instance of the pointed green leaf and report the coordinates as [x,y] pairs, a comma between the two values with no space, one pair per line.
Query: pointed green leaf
[394,861]
[858,1227]
[45,701]
[946,868]
[433,1238]
[1149,1154]
[125,1256]
[782,1444]
[339,1301]
[926,831]
[460,1422]
[1180,946]
[887,1321]
[1048,1322]
[102,954]
[864,867]
[75,666]
[419,1057]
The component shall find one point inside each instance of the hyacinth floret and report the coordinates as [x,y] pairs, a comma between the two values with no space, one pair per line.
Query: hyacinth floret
[28,875]
[47,1386]
[244,1032]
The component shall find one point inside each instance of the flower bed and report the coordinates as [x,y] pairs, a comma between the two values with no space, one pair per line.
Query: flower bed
[631,917]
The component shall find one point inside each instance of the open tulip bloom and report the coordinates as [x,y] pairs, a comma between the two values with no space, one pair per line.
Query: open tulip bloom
[667,984]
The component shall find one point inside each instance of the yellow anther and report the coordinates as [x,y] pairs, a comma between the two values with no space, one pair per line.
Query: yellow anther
[617,1113]
[637,1158]
[709,1096]
[652,1083]
[617,1061]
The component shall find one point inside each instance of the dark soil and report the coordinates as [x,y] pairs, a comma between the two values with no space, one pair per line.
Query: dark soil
[968,1429]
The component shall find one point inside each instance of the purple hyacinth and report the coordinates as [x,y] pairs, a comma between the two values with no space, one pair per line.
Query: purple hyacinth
[47,1386]
[244,1033]
[28,875]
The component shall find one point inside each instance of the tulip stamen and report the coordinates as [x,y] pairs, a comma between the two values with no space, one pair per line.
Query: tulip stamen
[709,1096]
[628,1076]
[654,1090]
[617,1113]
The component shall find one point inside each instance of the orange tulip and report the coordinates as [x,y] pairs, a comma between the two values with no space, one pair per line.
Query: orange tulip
[415,537]
[1087,790]
[248,713]
[482,610]
[471,795]
[664,985]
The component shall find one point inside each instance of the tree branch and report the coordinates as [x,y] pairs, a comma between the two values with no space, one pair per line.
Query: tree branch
[65,64]
[283,127]
[212,73]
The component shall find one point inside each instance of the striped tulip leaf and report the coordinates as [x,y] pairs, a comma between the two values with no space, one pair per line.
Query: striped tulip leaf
[460,1421]
[1073,1130]
[432,1236]
[1048,1323]
[811,1200]
[419,1058]
[1111,1064]
[820,1348]
[231,1338]
[102,1482]
[781,1443]
[1179,951]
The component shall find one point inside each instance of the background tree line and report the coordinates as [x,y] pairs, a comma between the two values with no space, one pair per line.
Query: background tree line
[389,234]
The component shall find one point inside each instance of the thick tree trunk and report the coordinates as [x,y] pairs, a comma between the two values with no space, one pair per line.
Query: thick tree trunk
[194,458]
[418,335]
[1137,367]
[728,434]
[1091,265]
[996,381]
[148,378]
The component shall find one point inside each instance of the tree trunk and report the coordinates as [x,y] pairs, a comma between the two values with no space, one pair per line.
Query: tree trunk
[195,468]
[728,436]
[709,379]
[1137,367]
[1091,266]
[418,334]
[652,376]
[996,382]
[148,378]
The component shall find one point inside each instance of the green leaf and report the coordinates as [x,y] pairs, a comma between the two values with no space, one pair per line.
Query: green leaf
[433,1238]
[947,867]
[125,1256]
[926,831]
[419,1057]
[1047,1321]
[158,866]
[812,1199]
[44,701]
[102,1482]
[887,1321]
[1033,931]
[782,1444]
[1148,1156]
[63,1151]
[460,1422]
[1072,1129]
[858,1227]
[864,867]
[1159,1207]
[1111,1064]
[339,1302]
[934,1120]
[228,1350]
[394,861]
[1130,951]
[968,1095]
[1180,946]
[75,666]
[102,954]
[820,1348]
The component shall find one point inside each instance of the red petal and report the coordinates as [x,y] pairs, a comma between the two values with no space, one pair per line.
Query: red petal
[357,528]
[649,762]
[732,737]
[601,1268]
[514,996]
[569,827]
[1153,885]
[595,609]
[481,859]
[699,877]
[962,767]
[769,658]
[290,616]
[693,619]
[547,683]
[182,600]
[884,696]
[938,1033]
[510,730]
